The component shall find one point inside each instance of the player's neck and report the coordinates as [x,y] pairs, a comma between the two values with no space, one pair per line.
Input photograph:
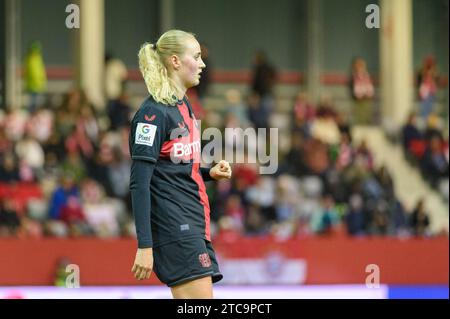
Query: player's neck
[180,90]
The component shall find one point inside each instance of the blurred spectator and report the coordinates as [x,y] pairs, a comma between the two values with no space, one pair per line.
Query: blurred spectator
[115,76]
[234,136]
[101,169]
[88,123]
[420,220]
[9,171]
[61,195]
[71,212]
[325,129]
[263,81]
[434,162]
[54,145]
[245,175]
[30,228]
[304,112]
[74,166]
[411,136]
[101,212]
[433,128]
[26,173]
[78,141]
[340,188]
[235,211]
[386,182]
[426,80]
[380,224]
[325,107]
[119,112]
[255,223]
[5,143]
[40,125]
[365,154]
[235,107]
[325,221]
[399,219]
[119,174]
[293,163]
[226,230]
[61,272]
[429,151]
[362,92]
[15,124]
[355,216]
[262,194]
[122,141]
[34,74]
[98,170]
[30,152]
[345,153]
[9,220]
[263,76]
[257,114]
[68,113]
[342,123]
[316,156]
[287,198]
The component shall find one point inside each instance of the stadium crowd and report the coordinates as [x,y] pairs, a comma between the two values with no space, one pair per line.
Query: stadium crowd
[65,168]
[65,172]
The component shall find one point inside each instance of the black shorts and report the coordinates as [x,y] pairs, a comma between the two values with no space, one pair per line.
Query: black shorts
[184,260]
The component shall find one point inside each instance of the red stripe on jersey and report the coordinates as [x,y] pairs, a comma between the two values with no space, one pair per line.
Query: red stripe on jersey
[168,147]
[195,174]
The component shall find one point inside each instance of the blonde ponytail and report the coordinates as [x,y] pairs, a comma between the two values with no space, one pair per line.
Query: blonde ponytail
[152,58]
[155,75]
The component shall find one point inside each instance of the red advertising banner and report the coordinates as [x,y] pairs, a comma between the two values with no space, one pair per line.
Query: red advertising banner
[339,260]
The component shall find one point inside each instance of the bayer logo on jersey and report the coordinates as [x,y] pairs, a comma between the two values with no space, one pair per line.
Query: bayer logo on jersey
[145,134]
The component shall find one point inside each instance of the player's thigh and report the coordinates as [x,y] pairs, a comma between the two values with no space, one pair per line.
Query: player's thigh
[200,288]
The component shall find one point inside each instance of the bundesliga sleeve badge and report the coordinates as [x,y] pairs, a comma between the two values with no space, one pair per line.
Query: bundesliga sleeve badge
[145,134]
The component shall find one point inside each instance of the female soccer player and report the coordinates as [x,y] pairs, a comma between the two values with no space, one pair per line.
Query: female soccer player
[169,200]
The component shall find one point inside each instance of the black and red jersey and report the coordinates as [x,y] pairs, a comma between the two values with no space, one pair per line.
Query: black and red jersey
[165,141]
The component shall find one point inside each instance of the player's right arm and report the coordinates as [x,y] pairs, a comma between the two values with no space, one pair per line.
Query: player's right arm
[141,175]
[147,135]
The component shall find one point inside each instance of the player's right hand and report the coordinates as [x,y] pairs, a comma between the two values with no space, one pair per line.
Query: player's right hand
[143,263]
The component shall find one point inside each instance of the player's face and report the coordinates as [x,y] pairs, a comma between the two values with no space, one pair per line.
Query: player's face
[191,64]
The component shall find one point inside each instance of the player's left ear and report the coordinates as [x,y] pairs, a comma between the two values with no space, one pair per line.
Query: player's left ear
[175,61]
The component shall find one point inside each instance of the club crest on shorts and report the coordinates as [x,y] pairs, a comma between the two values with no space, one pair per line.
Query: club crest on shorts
[204,259]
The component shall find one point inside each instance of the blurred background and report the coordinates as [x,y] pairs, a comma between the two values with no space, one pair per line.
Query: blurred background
[361,194]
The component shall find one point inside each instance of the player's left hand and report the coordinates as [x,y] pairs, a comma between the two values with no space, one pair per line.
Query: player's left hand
[221,170]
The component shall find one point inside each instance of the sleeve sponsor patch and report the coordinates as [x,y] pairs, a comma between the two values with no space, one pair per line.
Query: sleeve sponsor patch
[145,134]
